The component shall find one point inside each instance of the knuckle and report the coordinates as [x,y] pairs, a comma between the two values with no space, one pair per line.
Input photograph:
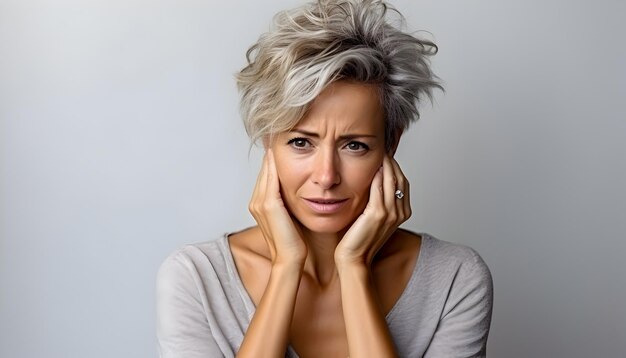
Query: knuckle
[267,206]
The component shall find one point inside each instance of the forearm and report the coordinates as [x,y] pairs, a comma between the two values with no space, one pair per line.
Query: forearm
[268,333]
[366,328]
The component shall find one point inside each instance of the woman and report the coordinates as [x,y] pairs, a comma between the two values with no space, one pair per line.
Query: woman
[327,272]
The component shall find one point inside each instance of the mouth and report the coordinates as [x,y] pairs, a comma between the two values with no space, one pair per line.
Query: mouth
[325,206]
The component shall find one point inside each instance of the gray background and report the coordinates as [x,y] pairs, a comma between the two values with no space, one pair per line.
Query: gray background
[120,140]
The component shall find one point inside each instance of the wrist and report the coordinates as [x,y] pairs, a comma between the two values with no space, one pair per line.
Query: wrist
[351,260]
[286,266]
[353,266]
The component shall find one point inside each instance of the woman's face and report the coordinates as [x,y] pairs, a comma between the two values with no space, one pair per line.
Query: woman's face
[327,162]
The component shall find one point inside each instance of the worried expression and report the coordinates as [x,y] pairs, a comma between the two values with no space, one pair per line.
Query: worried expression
[327,162]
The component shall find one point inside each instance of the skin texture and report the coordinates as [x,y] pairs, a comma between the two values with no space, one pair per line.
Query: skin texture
[338,159]
[319,273]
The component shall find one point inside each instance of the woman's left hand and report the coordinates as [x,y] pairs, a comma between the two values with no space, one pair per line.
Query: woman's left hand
[380,219]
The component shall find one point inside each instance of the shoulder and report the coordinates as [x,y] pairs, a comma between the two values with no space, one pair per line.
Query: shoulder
[192,262]
[193,295]
[457,289]
[460,272]
[436,261]
[195,275]
[436,254]
[189,253]
[452,257]
[248,244]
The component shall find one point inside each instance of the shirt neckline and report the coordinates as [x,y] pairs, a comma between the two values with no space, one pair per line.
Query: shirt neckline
[251,307]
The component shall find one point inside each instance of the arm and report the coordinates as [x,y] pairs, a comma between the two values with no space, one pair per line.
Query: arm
[183,329]
[268,333]
[367,331]
[366,328]
[464,326]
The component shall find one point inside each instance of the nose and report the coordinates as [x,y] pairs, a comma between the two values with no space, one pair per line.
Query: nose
[326,168]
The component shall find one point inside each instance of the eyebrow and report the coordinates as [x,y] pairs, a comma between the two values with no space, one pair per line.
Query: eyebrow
[346,136]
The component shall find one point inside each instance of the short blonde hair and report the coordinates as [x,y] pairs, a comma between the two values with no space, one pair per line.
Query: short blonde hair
[312,46]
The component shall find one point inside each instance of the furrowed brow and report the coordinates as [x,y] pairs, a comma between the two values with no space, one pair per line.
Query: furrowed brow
[343,137]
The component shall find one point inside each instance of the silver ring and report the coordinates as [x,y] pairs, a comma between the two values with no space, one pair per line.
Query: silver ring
[399,194]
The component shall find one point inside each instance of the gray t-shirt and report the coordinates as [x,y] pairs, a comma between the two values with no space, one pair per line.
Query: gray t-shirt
[203,308]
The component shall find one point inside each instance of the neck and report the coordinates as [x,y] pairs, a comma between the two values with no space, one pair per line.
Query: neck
[320,263]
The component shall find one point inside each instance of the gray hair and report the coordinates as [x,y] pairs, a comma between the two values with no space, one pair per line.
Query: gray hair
[312,46]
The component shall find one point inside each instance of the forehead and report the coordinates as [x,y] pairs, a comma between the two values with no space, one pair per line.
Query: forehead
[346,106]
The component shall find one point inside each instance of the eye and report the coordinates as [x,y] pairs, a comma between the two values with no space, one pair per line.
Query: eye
[357,146]
[299,143]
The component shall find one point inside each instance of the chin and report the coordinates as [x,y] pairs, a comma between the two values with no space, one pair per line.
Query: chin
[326,225]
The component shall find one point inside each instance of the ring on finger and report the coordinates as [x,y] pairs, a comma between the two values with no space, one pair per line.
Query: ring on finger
[399,194]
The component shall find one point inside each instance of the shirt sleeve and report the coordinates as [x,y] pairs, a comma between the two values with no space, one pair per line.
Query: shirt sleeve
[464,326]
[182,327]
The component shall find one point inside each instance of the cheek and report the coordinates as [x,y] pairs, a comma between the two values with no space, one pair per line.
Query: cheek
[363,176]
[290,173]
[282,169]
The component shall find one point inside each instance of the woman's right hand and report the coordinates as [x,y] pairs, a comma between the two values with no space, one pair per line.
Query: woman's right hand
[268,332]
[281,233]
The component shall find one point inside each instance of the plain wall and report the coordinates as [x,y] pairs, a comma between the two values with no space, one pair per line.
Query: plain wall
[120,140]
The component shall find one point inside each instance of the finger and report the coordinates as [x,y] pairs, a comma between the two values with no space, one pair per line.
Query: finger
[376,190]
[404,204]
[389,184]
[273,184]
[260,182]
[260,199]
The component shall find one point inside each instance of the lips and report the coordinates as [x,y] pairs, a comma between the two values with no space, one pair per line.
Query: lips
[325,206]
